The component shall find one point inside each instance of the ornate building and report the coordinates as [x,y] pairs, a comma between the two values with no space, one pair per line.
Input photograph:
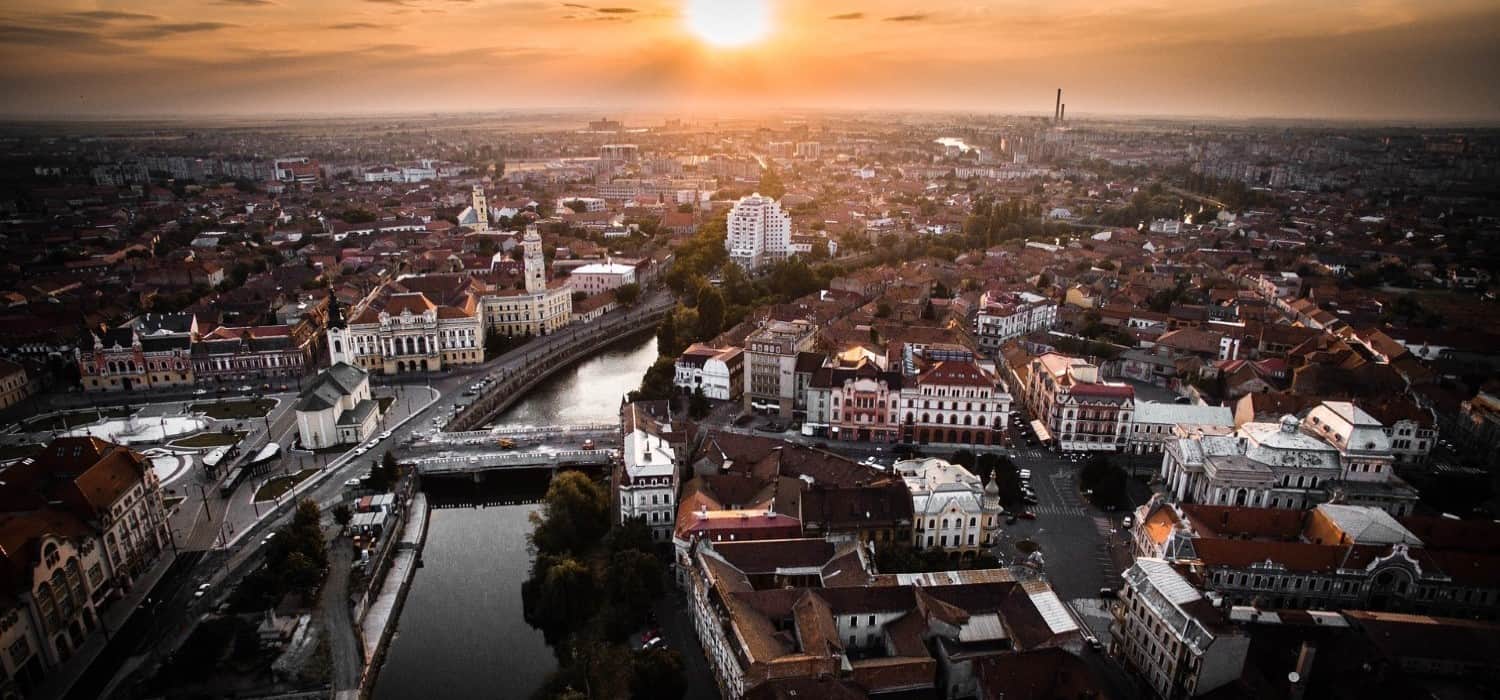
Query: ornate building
[1337,451]
[153,351]
[534,310]
[1082,412]
[410,334]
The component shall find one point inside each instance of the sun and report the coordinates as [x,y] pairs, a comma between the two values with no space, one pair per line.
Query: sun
[728,23]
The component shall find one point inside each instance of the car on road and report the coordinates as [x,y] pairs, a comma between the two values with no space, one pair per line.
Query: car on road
[588,444]
[654,643]
[202,590]
[352,483]
[200,392]
[1027,515]
[507,444]
[1126,522]
[1025,474]
[247,389]
[1010,519]
[1107,593]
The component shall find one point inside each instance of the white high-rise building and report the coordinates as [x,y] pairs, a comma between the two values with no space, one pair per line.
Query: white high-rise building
[759,231]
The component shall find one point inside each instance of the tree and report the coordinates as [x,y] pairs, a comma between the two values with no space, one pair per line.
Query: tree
[735,285]
[343,516]
[560,596]
[666,336]
[628,294]
[574,515]
[633,533]
[698,405]
[771,184]
[658,382]
[710,313]
[657,674]
[634,580]
[383,475]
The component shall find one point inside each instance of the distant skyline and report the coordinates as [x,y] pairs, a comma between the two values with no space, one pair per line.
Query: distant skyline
[1382,60]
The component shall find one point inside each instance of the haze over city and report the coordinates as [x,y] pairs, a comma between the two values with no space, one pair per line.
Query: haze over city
[749,349]
[1346,60]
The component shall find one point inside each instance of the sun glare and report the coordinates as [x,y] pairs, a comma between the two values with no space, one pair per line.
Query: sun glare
[728,23]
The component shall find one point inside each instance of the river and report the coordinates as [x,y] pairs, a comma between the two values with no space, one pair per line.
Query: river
[461,631]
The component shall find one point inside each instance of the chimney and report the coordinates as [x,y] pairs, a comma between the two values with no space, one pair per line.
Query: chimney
[1057,108]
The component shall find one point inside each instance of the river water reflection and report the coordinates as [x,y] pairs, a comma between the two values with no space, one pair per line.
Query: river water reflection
[461,631]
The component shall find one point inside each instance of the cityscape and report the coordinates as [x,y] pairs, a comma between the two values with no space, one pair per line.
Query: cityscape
[749,349]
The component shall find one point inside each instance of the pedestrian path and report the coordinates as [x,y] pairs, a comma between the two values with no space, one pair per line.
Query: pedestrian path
[1060,509]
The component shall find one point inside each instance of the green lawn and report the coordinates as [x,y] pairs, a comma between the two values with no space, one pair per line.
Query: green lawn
[210,439]
[235,410]
[73,419]
[278,486]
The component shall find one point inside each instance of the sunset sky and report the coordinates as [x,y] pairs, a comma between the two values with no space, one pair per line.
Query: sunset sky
[1344,59]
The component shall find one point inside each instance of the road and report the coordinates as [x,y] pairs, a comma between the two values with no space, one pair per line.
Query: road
[333,610]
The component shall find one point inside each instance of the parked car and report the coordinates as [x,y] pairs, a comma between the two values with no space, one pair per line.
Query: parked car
[1126,522]
[385,435]
[1107,593]
[1010,519]
[200,392]
[202,590]
[654,643]
[1028,515]
[1025,474]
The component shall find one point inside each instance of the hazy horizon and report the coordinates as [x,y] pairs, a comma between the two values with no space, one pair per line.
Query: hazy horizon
[1380,62]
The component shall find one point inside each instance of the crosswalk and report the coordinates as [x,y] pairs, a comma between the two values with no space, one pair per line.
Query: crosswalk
[1059,510]
[1033,453]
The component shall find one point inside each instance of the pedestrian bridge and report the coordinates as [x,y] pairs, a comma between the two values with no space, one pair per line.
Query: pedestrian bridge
[542,458]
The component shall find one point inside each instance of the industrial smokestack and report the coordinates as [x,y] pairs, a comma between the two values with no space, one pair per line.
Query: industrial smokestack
[1062,113]
[1057,108]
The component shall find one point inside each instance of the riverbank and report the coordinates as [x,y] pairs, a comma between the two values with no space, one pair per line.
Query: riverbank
[379,621]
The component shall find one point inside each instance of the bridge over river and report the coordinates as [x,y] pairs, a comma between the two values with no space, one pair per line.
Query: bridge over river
[512,447]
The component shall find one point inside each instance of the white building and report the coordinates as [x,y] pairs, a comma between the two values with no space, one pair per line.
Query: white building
[951,508]
[809,150]
[534,310]
[717,371]
[771,363]
[1003,316]
[1154,423]
[759,232]
[410,334]
[336,408]
[620,152]
[601,277]
[1333,453]
[648,480]
[1173,636]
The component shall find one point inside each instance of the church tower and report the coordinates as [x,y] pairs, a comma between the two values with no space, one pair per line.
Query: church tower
[340,347]
[536,264]
[481,209]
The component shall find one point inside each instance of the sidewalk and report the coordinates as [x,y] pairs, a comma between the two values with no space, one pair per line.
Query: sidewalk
[60,681]
[245,515]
